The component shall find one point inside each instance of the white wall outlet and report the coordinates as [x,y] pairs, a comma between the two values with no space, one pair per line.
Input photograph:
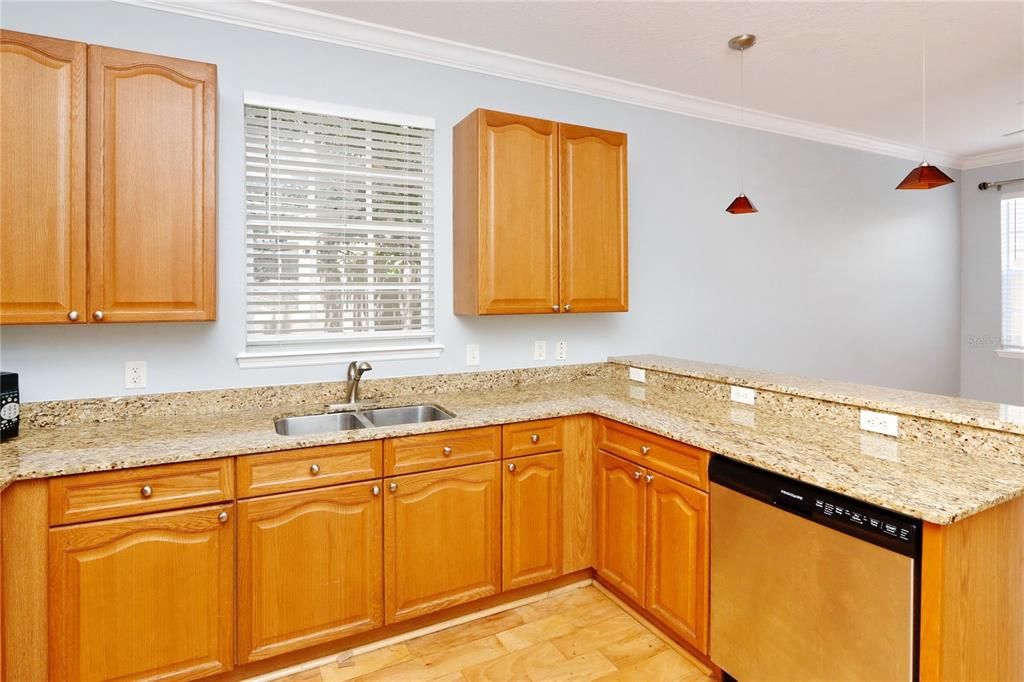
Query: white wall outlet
[742,394]
[562,350]
[540,350]
[135,374]
[472,354]
[637,374]
[880,422]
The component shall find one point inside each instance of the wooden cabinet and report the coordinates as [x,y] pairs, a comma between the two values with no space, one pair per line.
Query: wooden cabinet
[532,520]
[652,544]
[309,568]
[109,168]
[148,597]
[42,179]
[442,539]
[621,515]
[540,217]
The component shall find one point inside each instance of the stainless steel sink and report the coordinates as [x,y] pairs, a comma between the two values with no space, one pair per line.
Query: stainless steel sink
[346,421]
[318,423]
[408,414]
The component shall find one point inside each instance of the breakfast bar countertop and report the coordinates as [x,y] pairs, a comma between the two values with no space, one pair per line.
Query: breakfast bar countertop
[936,484]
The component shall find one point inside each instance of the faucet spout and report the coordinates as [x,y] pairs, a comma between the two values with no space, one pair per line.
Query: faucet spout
[355,374]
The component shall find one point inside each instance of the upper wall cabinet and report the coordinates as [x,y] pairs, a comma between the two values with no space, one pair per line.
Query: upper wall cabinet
[109,184]
[540,217]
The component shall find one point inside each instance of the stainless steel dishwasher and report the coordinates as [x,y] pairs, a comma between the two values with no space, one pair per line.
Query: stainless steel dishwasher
[807,584]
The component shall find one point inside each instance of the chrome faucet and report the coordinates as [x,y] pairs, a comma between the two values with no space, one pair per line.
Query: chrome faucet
[355,373]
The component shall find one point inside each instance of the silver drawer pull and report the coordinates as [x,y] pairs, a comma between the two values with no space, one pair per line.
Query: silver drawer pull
[392,487]
[146,491]
[644,449]
[512,468]
[446,450]
[314,469]
[222,517]
[649,477]
[534,438]
[375,490]
[98,315]
[637,475]
[73,315]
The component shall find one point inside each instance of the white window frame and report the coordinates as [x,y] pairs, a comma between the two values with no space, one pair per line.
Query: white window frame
[1005,351]
[375,349]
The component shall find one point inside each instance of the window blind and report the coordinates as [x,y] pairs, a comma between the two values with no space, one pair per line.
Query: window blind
[1012,219]
[339,230]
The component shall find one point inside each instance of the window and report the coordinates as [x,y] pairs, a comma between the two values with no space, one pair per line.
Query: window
[1012,219]
[339,234]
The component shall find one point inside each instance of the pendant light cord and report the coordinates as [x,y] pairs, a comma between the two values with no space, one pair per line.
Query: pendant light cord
[924,84]
[739,141]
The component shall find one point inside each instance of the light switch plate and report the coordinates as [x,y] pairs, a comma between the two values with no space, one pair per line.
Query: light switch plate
[540,350]
[472,354]
[742,394]
[880,422]
[637,374]
[562,350]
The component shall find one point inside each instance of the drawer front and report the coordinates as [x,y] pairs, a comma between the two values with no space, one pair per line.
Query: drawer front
[439,450]
[111,494]
[531,438]
[677,460]
[315,467]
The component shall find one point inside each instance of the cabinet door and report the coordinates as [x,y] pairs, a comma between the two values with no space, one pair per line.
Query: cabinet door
[42,179]
[152,187]
[593,271]
[510,231]
[309,568]
[144,598]
[677,558]
[620,525]
[532,520]
[442,539]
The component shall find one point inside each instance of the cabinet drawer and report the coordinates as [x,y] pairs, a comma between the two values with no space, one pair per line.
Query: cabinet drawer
[439,450]
[110,494]
[680,461]
[315,467]
[531,438]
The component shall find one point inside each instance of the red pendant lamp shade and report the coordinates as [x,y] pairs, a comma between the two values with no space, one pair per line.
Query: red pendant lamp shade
[741,204]
[925,176]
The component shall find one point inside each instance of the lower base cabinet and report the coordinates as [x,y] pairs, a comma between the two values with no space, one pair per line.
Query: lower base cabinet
[143,598]
[442,539]
[652,544]
[309,568]
[532,520]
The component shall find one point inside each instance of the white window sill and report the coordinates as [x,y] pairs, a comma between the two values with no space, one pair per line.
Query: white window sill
[333,356]
[1016,353]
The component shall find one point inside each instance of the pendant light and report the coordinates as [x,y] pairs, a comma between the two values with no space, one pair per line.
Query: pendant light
[741,204]
[924,176]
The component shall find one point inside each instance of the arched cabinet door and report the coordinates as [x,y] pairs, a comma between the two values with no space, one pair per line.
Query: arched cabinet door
[152,187]
[42,179]
[621,533]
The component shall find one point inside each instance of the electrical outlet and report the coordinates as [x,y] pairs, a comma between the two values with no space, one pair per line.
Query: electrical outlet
[562,350]
[472,354]
[540,350]
[135,374]
[637,374]
[879,422]
[742,394]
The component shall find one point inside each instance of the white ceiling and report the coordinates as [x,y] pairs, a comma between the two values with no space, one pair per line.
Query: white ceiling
[849,65]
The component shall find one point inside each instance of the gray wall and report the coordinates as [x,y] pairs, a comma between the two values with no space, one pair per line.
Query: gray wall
[983,374]
[838,276]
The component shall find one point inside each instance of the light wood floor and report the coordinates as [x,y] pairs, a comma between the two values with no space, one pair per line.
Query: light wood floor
[577,635]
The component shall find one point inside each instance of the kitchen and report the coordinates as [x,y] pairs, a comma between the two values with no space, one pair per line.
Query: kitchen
[553,284]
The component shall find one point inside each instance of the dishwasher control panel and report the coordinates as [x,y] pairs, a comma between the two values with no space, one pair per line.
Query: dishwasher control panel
[904,532]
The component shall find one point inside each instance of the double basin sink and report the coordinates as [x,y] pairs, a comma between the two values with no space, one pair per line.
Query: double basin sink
[362,419]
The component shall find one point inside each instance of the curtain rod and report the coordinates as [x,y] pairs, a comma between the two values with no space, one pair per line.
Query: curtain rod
[998,184]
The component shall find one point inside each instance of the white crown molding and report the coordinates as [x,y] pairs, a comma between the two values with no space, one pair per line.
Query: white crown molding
[1008,155]
[316,25]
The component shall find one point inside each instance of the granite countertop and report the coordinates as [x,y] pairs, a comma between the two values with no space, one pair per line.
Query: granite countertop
[925,482]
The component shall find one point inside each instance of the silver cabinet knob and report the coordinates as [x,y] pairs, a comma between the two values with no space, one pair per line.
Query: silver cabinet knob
[375,490]
[73,315]
[649,477]
[637,475]
[446,450]
[222,517]
[392,486]
[314,469]
[555,308]
[644,449]
[568,308]
[146,491]
[98,315]
[512,467]
[534,438]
